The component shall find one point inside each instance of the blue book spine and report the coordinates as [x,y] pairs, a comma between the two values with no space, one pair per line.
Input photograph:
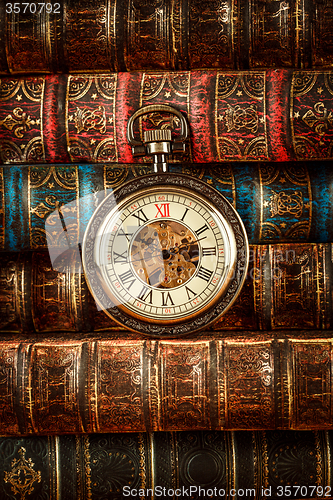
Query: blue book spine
[51,205]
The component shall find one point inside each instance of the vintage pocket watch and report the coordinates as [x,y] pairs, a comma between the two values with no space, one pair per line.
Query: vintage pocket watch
[164,254]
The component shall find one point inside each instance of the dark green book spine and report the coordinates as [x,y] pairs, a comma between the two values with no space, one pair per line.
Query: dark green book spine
[197,465]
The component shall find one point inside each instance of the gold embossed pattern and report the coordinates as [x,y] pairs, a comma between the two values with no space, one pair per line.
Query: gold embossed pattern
[184,377]
[2,211]
[55,205]
[249,383]
[90,26]
[271,34]
[90,123]
[55,387]
[240,116]
[22,475]
[312,115]
[120,367]
[286,202]
[311,370]
[8,360]
[21,124]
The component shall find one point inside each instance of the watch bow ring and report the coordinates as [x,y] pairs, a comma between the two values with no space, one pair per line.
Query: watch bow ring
[164,254]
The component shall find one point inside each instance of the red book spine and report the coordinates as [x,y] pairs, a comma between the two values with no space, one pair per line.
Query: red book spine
[278,118]
[278,115]
[54,132]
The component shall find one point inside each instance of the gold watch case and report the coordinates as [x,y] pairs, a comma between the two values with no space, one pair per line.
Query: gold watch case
[165,255]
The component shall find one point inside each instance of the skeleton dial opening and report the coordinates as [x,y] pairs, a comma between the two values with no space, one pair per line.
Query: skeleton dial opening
[165,255]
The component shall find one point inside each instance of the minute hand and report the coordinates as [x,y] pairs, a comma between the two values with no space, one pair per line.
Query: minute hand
[192,242]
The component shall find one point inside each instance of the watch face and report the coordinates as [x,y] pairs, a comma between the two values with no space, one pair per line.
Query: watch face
[165,255]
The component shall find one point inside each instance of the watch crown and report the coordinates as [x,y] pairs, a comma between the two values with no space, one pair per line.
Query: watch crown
[157,135]
[158,141]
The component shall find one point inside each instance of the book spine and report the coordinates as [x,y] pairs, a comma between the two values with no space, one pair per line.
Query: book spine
[278,202]
[288,286]
[106,384]
[129,35]
[276,115]
[170,465]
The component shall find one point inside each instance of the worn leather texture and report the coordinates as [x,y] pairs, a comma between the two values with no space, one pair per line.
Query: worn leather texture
[128,35]
[274,115]
[120,382]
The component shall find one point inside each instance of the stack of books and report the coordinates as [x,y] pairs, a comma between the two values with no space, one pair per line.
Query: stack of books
[242,409]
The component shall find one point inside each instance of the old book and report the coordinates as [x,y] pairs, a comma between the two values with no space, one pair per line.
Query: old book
[277,115]
[288,286]
[278,202]
[116,383]
[122,35]
[235,465]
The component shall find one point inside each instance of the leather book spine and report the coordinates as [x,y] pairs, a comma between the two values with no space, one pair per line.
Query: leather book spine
[278,202]
[235,465]
[124,383]
[130,35]
[288,286]
[275,115]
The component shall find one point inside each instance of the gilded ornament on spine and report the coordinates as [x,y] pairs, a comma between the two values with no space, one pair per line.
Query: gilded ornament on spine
[54,207]
[21,120]
[271,34]
[184,371]
[249,382]
[322,34]
[87,41]
[120,365]
[90,118]
[311,369]
[286,202]
[240,118]
[311,115]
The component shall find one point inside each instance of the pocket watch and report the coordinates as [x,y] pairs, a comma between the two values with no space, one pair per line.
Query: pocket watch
[165,254]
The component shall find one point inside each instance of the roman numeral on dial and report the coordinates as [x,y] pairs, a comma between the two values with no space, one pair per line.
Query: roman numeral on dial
[127,278]
[120,258]
[184,215]
[141,216]
[127,235]
[189,292]
[163,210]
[208,251]
[165,297]
[146,294]
[204,274]
[201,230]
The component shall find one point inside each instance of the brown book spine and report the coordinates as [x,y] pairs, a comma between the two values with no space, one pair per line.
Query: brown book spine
[128,35]
[288,286]
[123,383]
[277,115]
[197,465]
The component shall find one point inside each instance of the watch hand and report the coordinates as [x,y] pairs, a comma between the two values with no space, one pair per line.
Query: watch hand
[142,259]
[195,241]
[165,254]
[188,244]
